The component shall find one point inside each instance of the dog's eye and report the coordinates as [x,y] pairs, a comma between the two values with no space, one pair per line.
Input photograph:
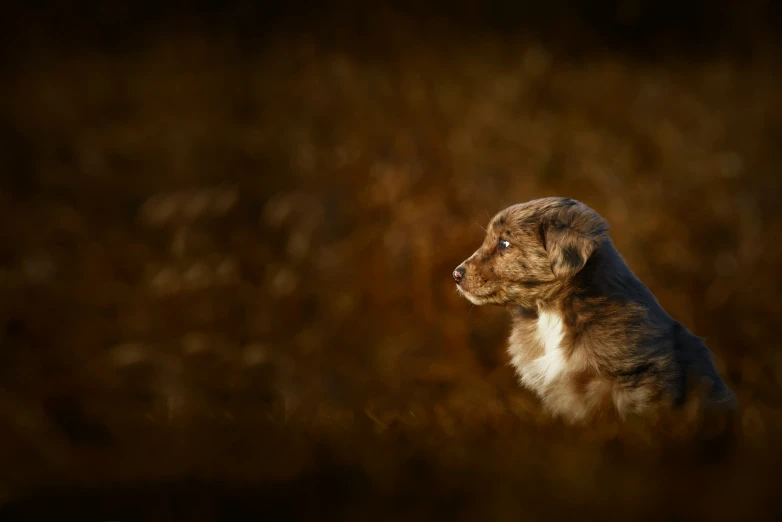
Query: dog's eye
[503,244]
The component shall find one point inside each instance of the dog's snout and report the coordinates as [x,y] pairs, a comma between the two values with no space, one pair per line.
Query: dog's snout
[458,274]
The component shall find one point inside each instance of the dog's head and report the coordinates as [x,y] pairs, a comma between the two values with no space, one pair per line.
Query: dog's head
[530,251]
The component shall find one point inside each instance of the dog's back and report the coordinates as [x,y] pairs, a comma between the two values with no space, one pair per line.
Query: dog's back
[699,373]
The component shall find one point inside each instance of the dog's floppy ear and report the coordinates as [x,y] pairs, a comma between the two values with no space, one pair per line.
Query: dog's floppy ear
[570,235]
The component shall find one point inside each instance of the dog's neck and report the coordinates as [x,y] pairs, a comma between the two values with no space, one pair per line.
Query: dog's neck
[604,276]
[527,314]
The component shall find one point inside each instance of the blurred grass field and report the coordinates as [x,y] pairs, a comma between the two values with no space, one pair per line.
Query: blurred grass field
[226,271]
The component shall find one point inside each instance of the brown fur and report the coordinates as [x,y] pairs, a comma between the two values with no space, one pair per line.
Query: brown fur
[588,337]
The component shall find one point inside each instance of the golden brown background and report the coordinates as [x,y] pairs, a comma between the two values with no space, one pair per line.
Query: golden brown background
[227,233]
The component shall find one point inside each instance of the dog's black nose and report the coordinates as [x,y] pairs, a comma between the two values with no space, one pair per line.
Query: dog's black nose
[458,274]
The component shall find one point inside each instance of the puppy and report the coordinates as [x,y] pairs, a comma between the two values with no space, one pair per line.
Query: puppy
[587,337]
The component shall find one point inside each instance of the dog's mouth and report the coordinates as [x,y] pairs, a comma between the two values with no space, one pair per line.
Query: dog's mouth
[474,299]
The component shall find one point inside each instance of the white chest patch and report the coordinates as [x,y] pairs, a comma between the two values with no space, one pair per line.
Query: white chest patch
[541,372]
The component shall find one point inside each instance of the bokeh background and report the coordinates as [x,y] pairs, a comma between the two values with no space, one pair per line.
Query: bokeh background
[227,232]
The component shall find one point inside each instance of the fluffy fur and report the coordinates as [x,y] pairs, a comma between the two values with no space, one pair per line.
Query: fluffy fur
[588,337]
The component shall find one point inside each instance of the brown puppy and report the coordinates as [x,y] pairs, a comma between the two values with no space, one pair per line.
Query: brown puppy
[588,337]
